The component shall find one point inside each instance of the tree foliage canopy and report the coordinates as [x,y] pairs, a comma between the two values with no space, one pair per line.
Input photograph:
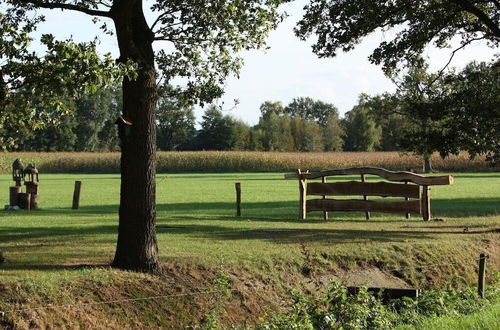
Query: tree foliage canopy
[341,25]
[34,86]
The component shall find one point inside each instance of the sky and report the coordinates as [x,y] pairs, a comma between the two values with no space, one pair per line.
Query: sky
[288,69]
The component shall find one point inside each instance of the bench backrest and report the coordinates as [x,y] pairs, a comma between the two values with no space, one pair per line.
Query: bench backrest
[384,189]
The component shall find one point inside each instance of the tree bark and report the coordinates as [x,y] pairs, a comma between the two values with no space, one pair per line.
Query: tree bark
[137,247]
[427,163]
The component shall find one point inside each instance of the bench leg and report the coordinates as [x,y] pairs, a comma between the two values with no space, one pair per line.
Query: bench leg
[325,213]
[302,197]
[426,203]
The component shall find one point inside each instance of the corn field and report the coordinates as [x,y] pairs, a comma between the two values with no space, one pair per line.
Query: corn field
[226,161]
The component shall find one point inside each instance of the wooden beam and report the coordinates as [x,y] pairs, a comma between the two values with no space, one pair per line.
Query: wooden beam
[353,188]
[361,205]
[388,293]
[383,173]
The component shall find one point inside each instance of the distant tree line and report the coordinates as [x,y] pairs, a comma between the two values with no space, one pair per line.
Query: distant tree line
[428,113]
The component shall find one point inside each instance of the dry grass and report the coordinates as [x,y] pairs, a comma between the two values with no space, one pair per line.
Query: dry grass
[224,161]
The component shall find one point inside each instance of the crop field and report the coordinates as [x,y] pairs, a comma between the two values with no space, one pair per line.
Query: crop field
[242,161]
[199,232]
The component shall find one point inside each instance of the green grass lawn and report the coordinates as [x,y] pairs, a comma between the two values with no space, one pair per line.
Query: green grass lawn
[196,222]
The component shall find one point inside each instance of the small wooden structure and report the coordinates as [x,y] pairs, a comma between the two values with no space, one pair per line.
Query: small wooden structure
[17,172]
[414,188]
[31,199]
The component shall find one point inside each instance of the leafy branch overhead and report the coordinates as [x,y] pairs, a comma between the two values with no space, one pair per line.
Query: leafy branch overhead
[30,81]
[340,25]
[199,40]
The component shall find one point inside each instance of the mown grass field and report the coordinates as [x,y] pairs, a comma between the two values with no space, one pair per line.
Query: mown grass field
[196,225]
[197,222]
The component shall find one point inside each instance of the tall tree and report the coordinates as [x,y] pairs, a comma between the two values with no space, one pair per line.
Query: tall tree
[307,108]
[93,111]
[175,123]
[419,100]
[473,105]
[201,39]
[216,131]
[333,133]
[340,25]
[361,131]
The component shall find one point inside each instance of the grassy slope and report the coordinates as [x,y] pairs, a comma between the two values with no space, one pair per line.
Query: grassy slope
[196,224]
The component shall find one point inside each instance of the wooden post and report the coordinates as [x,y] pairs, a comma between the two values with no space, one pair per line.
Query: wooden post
[367,214]
[325,213]
[302,196]
[24,201]
[237,185]
[14,193]
[426,203]
[481,274]
[76,195]
[34,201]
[408,216]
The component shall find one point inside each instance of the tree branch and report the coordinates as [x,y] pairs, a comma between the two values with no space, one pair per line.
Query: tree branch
[469,7]
[67,6]
[452,56]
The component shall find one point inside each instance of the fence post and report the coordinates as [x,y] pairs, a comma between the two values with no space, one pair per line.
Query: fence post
[237,185]
[76,195]
[481,274]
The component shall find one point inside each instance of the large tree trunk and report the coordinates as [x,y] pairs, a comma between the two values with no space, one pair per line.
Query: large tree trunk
[136,248]
[427,163]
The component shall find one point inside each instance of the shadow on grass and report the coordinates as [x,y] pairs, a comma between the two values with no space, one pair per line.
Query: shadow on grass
[299,235]
[278,211]
[56,267]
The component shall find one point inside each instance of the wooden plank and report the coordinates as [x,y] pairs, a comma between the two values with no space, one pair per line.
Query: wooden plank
[361,205]
[352,188]
[383,173]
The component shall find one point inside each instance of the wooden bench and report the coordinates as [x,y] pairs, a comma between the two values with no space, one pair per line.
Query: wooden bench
[414,188]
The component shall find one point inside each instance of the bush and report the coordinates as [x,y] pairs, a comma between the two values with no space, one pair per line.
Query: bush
[336,309]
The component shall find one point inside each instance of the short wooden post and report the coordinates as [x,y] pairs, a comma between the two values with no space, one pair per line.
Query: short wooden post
[76,195]
[237,185]
[14,193]
[28,202]
[426,203]
[302,196]
[325,213]
[408,216]
[34,201]
[367,214]
[481,274]
[24,201]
